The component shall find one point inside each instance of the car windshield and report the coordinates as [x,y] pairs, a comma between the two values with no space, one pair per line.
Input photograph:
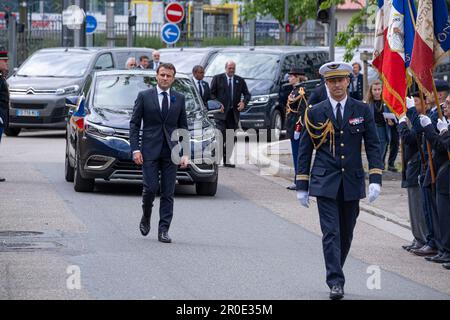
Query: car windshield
[56,64]
[120,91]
[183,61]
[250,65]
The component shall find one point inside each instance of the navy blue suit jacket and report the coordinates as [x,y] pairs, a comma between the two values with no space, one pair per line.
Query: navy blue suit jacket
[345,166]
[155,129]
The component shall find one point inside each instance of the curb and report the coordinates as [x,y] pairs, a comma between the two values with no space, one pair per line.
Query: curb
[260,158]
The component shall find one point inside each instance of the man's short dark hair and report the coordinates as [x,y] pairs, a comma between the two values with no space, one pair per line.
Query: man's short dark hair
[197,68]
[166,66]
[359,65]
[143,57]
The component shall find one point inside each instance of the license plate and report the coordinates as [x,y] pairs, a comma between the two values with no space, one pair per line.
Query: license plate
[27,113]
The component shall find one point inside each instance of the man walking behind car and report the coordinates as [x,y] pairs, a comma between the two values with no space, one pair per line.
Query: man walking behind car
[4,95]
[231,90]
[162,112]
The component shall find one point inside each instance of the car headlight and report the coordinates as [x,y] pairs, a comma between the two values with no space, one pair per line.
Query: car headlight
[259,99]
[98,130]
[68,90]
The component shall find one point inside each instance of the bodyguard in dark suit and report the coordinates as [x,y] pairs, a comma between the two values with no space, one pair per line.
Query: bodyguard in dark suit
[319,94]
[4,95]
[231,90]
[336,128]
[198,73]
[162,112]
[356,82]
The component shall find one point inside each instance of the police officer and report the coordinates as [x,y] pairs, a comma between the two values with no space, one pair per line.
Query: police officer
[335,128]
[4,94]
[295,110]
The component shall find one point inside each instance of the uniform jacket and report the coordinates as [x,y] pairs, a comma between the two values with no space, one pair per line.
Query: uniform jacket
[356,93]
[219,91]
[4,101]
[410,155]
[295,110]
[155,129]
[345,165]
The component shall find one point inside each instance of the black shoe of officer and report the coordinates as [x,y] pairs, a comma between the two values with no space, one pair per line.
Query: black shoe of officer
[426,250]
[144,226]
[443,258]
[433,258]
[446,265]
[2,179]
[164,237]
[337,292]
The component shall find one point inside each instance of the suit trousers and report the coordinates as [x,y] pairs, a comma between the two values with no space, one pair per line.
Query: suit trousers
[223,125]
[416,216]
[443,208]
[295,144]
[428,208]
[150,171]
[337,221]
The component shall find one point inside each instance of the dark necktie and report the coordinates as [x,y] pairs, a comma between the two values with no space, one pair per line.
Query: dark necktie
[339,115]
[200,88]
[165,105]
[230,92]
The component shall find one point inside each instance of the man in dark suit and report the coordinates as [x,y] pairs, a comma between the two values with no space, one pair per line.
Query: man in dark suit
[198,73]
[143,62]
[319,94]
[356,82]
[4,95]
[231,90]
[336,128]
[154,64]
[163,113]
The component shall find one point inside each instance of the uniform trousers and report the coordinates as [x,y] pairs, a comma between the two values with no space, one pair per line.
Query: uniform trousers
[416,216]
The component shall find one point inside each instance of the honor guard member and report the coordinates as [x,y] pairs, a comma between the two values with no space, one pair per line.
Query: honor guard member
[295,111]
[336,128]
[4,94]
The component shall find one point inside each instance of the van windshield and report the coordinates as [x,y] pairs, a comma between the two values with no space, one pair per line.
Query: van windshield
[250,65]
[56,64]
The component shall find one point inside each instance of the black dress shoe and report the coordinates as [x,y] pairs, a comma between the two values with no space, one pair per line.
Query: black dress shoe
[336,293]
[2,179]
[443,258]
[446,265]
[164,237]
[415,247]
[426,250]
[229,165]
[432,258]
[144,226]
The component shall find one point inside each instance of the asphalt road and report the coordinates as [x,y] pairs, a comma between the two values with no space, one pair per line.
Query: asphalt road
[250,241]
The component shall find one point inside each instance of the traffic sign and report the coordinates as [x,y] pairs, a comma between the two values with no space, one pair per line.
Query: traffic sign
[91,24]
[170,33]
[174,12]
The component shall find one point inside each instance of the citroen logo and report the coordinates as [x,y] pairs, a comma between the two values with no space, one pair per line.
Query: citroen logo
[30,90]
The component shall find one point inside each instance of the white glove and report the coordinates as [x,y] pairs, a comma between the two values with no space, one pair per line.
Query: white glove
[442,125]
[424,121]
[296,135]
[303,197]
[402,119]
[409,102]
[374,191]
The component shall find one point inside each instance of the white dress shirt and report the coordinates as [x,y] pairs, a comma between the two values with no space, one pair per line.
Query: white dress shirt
[334,104]
[160,96]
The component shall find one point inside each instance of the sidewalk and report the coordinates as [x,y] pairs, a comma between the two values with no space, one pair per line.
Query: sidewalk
[392,205]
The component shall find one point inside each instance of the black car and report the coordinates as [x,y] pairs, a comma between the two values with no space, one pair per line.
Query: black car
[185,59]
[265,70]
[39,87]
[97,139]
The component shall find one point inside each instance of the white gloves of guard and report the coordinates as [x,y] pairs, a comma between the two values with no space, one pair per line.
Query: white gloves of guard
[442,125]
[402,119]
[296,135]
[424,121]
[374,191]
[303,197]
[409,102]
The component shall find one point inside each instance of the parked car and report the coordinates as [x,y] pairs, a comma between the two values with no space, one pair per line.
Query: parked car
[184,59]
[97,139]
[265,70]
[39,87]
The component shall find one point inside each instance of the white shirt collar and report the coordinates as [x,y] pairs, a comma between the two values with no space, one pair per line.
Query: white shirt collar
[159,90]
[334,103]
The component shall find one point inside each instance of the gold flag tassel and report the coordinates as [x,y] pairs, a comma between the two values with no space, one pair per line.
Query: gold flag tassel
[327,128]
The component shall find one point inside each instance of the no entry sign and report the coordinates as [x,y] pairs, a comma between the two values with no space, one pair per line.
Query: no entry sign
[174,12]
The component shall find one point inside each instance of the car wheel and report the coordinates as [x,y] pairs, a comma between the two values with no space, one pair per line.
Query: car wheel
[81,184]
[206,188]
[12,132]
[276,125]
[69,171]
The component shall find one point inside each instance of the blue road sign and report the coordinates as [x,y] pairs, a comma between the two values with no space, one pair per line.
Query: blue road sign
[170,33]
[91,24]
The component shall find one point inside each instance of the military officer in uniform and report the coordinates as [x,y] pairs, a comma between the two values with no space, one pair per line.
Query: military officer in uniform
[295,110]
[4,95]
[336,128]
